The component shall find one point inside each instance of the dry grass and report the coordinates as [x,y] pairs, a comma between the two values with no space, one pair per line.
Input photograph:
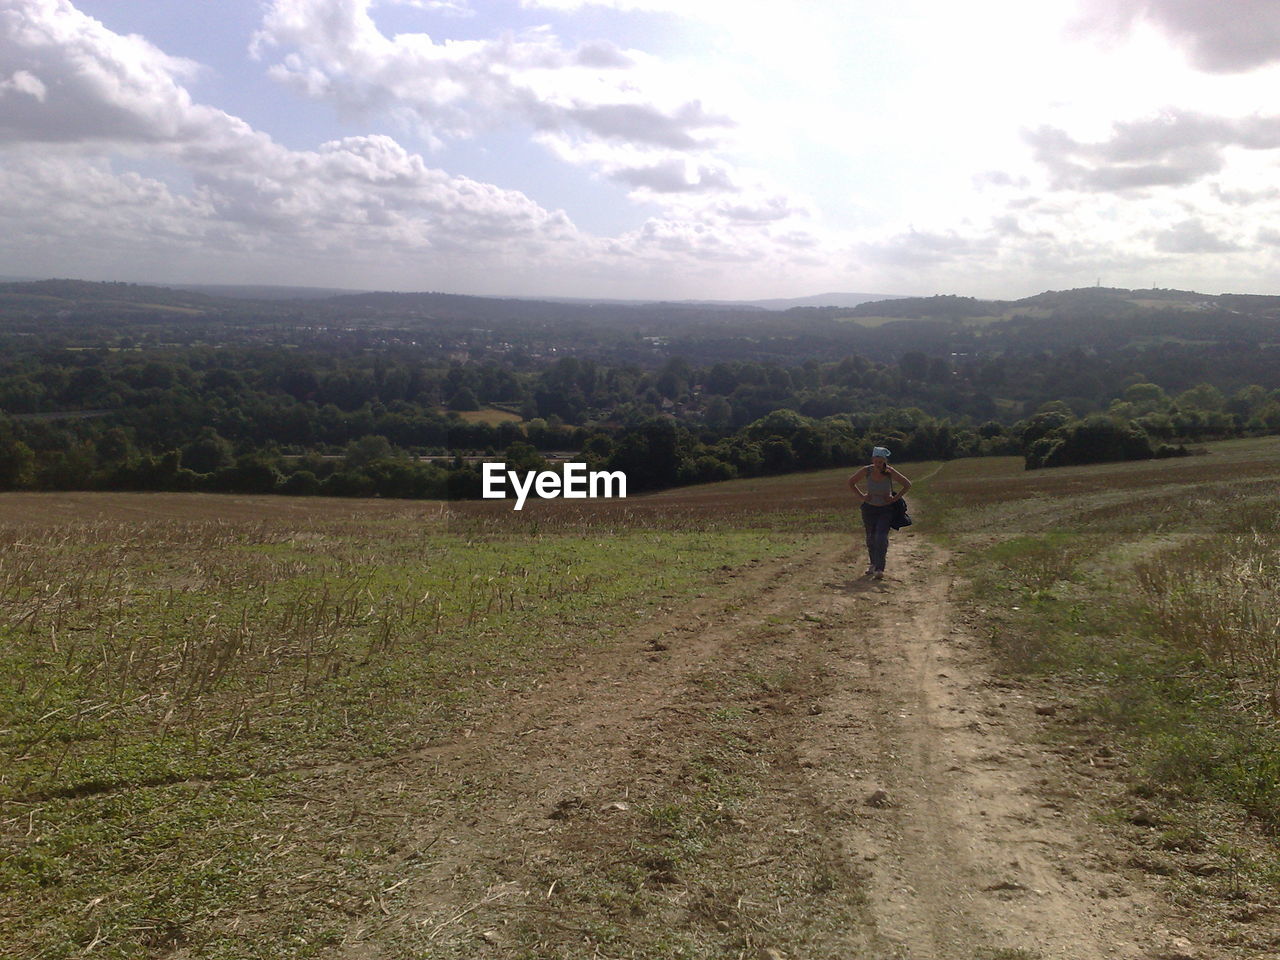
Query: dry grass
[23,510]
[491,416]
[1216,598]
[168,662]
[1149,590]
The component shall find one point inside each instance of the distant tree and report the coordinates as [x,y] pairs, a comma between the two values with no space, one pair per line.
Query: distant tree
[220,379]
[17,463]
[1040,425]
[720,379]
[86,387]
[464,399]
[253,473]
[1096,439]
[1267,418]
[360,453]
[301,483]
[20,395]
[1246,401]
[718,414]
[464,483]
[706,469]
[914,365]
[348,483]
[69,469]
[1203,396]
[522,456]
[1146,397]
[671,385]
[650,454]
[598,448]
[114,446]
[779,456]
[208,453]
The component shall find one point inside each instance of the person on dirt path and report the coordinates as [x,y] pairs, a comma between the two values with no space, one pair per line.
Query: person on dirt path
[877,505]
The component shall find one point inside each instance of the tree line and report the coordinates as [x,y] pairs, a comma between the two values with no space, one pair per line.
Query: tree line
[363,422]
[113,386]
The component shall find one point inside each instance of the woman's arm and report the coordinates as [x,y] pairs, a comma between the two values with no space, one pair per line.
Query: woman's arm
[906,485]
[855,480]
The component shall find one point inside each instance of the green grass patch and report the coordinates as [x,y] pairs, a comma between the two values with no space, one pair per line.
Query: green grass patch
[1146,592]
[166,682]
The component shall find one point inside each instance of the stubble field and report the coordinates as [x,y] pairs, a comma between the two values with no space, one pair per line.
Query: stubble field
[261,727]
[173,663]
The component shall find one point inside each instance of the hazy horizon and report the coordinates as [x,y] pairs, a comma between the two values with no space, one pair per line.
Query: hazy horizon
[843,298]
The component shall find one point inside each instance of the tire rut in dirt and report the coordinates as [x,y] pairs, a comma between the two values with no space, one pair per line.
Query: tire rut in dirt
[966,856]
[652,797]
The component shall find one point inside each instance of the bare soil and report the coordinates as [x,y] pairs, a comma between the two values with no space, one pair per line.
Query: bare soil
[802,763]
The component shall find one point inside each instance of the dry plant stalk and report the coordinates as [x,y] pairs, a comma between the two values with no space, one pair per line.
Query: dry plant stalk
[1224,605]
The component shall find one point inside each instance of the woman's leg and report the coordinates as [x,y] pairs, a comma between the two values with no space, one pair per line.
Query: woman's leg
[869,526]
[880,538]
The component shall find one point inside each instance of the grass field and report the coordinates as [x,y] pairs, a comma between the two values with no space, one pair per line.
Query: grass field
[173,663]
[881,321]
[1150,594]
[174,666]
[491,416]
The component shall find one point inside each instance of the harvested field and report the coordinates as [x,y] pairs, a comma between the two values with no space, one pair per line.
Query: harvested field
[679,725]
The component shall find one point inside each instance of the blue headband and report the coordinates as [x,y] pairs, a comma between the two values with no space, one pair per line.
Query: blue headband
[880,452]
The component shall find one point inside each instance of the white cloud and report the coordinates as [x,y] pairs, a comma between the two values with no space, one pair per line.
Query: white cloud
[372,194]
[644,124]
[694,240]
[752,156]
[333,50]
[110,98]
[1222,36]
[1242,197]
[97,85]
[686,7]
[674,175]
[760,209]
[453,8]
[58,202]
[25,83]
[920,248]
[723,11]
[1192,236]
[1176,149]
[225,197]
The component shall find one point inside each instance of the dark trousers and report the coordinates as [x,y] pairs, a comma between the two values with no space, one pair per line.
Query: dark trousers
[876,521]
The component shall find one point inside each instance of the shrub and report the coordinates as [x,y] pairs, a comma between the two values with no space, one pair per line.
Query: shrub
[1096,439]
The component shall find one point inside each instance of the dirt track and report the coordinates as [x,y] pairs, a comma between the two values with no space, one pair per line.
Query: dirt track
[886,797]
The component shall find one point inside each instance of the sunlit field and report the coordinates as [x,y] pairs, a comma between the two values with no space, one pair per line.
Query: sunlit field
[1150,592]
[171,662]
[490,415]
[173,665]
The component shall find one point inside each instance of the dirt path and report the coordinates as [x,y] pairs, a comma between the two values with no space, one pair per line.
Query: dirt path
[972,850]
[801,764]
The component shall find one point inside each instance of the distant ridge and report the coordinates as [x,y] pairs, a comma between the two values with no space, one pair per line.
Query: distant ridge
[790,303]
[260,291]
[265,291]
[824,300]
[33,297]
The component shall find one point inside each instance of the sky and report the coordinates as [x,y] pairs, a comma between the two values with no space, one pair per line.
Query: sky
[655,149]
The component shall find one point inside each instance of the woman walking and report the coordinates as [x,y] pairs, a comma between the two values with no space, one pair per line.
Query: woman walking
[877,505]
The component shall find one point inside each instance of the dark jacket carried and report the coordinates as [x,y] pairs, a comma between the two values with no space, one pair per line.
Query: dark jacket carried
[900,516]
